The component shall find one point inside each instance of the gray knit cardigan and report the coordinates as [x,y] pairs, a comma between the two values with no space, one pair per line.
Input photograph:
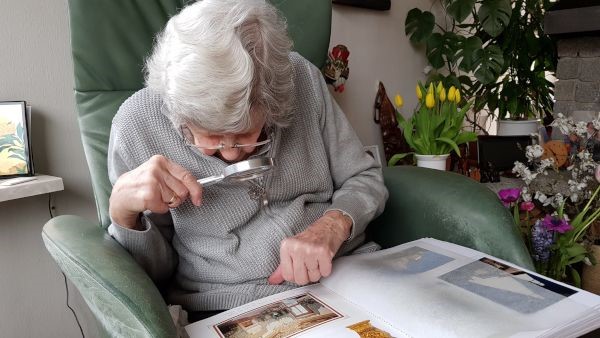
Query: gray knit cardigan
[221,253]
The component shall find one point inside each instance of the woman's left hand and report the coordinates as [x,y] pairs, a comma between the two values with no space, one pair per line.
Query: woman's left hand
[307,256]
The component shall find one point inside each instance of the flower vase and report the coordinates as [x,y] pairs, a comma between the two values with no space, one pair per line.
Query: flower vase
[519,127]
[590,279]
[432,161]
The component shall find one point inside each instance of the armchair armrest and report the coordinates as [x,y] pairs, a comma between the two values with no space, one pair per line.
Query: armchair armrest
[449,207]
[121,295]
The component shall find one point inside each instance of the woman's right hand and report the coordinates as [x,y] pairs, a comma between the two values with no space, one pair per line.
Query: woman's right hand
[157,185]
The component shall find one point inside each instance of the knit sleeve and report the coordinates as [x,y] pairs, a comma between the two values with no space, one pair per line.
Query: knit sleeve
[151,246]
[358,180]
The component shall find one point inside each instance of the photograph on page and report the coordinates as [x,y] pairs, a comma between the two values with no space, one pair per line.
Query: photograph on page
[284,318]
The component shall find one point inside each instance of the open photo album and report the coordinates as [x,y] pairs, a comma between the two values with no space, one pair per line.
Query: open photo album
[424,288]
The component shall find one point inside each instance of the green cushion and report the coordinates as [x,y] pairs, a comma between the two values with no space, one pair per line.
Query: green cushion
[118,291]
[450,207]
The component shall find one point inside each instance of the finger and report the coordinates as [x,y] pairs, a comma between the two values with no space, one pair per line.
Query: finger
[276,277]
[168,196]
[180,192]
[154,197]
[300,273]
[325,267]
[287,270]
[313,274]
[188,180]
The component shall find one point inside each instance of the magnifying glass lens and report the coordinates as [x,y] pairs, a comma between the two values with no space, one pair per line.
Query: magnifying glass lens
[249,174]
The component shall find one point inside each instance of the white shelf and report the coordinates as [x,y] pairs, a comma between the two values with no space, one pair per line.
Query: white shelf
[44,184]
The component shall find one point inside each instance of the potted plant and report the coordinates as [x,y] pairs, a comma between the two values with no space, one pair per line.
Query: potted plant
[497,50]
[435,128]
[555,209]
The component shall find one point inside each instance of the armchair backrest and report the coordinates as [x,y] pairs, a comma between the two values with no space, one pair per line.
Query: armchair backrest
[110,40]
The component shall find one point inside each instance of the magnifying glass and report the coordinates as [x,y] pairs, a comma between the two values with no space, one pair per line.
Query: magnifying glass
[241,171]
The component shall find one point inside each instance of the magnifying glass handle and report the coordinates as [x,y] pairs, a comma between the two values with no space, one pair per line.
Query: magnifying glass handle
[210,180]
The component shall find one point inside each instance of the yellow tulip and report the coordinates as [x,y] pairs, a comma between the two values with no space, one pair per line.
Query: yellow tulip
[442,94]
[399,101]
[419,94]
[430,90]
[452,94]
[439,88]
[429,100]
[457,96]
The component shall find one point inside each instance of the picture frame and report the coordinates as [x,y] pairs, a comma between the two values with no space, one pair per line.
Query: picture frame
[15,148]
[380,5]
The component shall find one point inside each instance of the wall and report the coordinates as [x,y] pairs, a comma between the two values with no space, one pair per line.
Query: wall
[379,51]
[578,88]
[35,65]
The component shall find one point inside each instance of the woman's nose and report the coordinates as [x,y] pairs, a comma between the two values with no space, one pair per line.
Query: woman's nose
[230,154]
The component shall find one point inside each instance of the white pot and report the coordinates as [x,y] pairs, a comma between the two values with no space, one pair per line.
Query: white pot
[432,161]
[517,128]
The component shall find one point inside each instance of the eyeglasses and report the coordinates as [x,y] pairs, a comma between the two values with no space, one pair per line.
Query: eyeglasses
[190,141]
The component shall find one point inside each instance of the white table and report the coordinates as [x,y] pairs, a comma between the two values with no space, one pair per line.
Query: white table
[43,184]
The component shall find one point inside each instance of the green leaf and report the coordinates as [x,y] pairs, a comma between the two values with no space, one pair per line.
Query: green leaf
[465,137]
[419,25]
[460,9]
[450,143]
[394,159]
[467,52]
[575,276]
[435,50]
[488,63]
[494,16]
[576,250]
[441,47]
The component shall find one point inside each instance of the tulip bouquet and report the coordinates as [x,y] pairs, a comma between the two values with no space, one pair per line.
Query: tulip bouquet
[435,128]
[556,209]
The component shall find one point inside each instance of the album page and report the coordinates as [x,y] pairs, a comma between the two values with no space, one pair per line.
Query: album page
[310,311]
[430,288]
[424,288]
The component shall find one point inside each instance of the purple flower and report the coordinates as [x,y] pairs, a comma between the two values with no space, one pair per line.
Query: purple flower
[527,206]
[553,223]
[541,240]
[509,196]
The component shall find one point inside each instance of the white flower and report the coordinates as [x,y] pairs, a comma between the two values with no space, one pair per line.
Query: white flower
[534,152]
[581,128]
[525,195]
[540,197]
[574,197]
[596,122]
[522,171]
[563,123]
[557,200]
[545,164]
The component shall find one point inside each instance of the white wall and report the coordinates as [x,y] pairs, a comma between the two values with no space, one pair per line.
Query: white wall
[379,51]
[35,65]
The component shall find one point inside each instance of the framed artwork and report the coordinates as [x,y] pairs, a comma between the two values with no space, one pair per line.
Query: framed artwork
[381,5]
[15,154]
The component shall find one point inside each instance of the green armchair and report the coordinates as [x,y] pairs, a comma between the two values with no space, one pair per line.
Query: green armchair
[110,39]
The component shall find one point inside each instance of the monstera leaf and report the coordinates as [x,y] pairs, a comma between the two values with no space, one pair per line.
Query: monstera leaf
[494,15]
[488,63]
[419,25]
[467,52]
[460,9]
[442,45]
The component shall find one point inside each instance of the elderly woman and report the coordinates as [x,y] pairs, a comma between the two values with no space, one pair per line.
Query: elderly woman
[223,86]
